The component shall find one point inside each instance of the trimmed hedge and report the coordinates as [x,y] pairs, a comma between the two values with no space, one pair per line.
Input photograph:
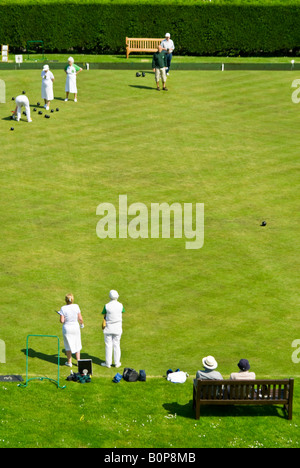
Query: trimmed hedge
[153,2]
[201,29]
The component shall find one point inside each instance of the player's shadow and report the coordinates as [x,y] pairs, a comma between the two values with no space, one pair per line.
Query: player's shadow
[53,358]
[143,87]
[95,360]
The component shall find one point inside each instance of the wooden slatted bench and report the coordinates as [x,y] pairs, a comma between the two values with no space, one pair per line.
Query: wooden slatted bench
[138,44]
[243,392]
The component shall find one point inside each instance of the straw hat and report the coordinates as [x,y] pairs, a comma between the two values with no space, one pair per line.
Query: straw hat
[209,362]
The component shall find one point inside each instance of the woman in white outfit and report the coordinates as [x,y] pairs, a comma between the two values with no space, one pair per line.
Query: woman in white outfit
[47,86]
[22,101]
[113,330]
[70,317]
[71,71]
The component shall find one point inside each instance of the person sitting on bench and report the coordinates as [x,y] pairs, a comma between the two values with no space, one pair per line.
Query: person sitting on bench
[209,372]
[244,373]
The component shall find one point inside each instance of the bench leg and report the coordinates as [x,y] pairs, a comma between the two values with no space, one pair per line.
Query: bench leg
[196,404]
[290,401]
[289,410]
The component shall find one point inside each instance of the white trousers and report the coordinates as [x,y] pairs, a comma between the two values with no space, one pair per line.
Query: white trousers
[112,347]
[22,101]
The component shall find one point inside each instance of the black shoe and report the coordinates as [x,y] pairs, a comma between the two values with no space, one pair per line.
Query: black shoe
[165,89]
[158,89]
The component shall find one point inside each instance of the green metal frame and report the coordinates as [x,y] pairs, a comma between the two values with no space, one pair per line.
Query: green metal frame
[28,43]
[42,378]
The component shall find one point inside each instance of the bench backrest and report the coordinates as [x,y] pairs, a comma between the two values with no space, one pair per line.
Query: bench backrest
[138,43]
[268,390]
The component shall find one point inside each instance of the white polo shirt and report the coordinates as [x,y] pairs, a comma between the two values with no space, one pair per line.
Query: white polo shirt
[168,44]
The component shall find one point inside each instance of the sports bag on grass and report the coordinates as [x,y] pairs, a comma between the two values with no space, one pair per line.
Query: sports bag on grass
[77,377]
[130,375]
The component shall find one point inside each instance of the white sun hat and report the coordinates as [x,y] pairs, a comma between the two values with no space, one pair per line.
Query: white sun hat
[113,294]
[45,67]
[70,59]
[209,362]
[168,35]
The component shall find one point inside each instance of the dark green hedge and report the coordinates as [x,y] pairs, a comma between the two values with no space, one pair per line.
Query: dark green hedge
[205,29]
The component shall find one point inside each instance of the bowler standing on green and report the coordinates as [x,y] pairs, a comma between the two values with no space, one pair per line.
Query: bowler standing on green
[113,330]
[71,71]
[159,66]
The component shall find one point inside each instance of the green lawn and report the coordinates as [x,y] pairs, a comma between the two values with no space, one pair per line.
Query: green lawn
[229,140]
[152,414]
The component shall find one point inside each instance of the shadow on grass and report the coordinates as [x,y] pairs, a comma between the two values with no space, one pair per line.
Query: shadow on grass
[53,358]
[95,360]
[187,411]
[143,87]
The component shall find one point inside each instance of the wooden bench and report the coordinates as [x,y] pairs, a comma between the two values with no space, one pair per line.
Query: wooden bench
[243,392]
[138,44]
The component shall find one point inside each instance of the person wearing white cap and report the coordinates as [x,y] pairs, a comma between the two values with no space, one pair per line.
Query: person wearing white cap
[47,86]
[22,101]
[209,372]
[112,330]
[168,45]
[71,71]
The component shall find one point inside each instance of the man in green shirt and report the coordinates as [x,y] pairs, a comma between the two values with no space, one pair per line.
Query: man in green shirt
[159,66]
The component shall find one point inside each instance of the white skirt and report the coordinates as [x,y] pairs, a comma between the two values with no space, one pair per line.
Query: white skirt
[71,85]
[47,92]
[72,337]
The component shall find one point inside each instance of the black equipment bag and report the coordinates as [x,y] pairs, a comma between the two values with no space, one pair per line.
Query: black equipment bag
[130,375]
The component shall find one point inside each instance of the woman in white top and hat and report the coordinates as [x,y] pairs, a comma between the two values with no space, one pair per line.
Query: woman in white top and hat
[47,86]
[70,317]
[71,71]
[112,330]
